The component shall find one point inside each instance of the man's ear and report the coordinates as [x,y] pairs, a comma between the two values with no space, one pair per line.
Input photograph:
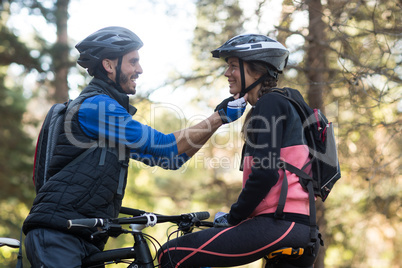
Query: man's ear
[108,65]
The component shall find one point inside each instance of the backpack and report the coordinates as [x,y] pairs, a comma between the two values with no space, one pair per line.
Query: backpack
[323,154]
[50,130]
[47,139]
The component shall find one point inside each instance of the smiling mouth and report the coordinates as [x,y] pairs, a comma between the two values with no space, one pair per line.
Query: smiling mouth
[134,80]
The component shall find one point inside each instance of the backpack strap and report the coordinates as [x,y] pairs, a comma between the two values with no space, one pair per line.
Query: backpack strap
[123,168]
[284,189]
[284,193]
[19,262]
[83,155]
[122,178]
[282,200]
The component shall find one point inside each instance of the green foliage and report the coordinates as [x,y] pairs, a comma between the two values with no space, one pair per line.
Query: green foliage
[12,50]
[16,155]
[17,149]
[362,91]
[364,82]
[217,21]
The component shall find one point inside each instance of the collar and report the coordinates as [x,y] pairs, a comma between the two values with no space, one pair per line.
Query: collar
[105,88]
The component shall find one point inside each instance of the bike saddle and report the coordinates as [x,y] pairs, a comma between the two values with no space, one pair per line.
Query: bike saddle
[289,257]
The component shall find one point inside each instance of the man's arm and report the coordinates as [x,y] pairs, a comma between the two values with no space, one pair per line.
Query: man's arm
[191,139]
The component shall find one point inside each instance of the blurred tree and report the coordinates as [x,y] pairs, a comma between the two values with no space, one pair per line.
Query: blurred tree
[345,59]
[55,13]
[16,156]
[352,57]
[364,37]
[351,52]
[217,21]
[15,143]
[317,76]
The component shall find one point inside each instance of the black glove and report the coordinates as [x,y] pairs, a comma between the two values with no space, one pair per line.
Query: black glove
[221,220]
[231,109]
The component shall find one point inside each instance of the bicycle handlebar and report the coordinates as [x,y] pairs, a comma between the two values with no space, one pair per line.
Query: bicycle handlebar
[11,242]
[95,222]
[147,218]
[132,211]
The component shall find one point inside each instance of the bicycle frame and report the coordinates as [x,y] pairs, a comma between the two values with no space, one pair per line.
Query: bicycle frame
[139,252]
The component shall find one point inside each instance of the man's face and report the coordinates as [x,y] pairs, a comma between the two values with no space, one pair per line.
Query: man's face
[130,70]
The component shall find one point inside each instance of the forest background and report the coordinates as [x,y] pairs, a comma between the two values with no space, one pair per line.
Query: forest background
[345,59]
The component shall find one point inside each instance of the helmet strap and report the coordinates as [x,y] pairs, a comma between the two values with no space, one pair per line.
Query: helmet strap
[118,72]
[244,90]
[250,87]
[243,79]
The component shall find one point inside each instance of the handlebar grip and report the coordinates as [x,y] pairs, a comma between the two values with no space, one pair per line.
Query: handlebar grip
[203,215]
[85,223]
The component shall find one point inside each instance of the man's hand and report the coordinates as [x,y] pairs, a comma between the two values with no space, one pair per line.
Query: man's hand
[221,220]
[231,109]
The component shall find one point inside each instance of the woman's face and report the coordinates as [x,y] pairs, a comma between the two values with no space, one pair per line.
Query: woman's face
[234,77]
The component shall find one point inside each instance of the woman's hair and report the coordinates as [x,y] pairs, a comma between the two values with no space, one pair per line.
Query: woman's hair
[270,82]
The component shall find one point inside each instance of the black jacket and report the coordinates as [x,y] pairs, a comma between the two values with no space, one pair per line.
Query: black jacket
[91,187]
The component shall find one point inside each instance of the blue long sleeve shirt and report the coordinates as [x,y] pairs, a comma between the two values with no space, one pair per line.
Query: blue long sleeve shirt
[103,118]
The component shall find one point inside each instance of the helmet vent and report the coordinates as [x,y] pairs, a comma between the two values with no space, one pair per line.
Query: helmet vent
[122,43]
[110,42]
[256,46]
[96,51]
[106,36]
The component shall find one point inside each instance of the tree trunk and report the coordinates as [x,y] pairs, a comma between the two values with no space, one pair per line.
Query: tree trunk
[316,76]
[60,52]
[316,54]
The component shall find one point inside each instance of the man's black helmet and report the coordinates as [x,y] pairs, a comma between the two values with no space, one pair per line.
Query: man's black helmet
[110,42]
[255,47]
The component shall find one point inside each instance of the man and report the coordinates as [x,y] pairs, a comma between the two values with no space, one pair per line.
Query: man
[88,171]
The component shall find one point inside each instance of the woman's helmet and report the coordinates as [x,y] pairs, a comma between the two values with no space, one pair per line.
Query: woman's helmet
[255,47]
[110,42]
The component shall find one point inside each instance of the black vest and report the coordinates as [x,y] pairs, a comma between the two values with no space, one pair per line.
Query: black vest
[87,177]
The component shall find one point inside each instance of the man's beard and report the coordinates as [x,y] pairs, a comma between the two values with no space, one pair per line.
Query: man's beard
[124,79]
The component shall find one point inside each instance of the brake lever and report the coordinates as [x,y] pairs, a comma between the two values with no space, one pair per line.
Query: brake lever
[188,227]
[111,229]
[97,233]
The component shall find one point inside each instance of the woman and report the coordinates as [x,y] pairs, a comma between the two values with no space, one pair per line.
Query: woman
[272,131]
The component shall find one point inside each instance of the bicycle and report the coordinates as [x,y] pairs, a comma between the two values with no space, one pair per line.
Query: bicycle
[139,255]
